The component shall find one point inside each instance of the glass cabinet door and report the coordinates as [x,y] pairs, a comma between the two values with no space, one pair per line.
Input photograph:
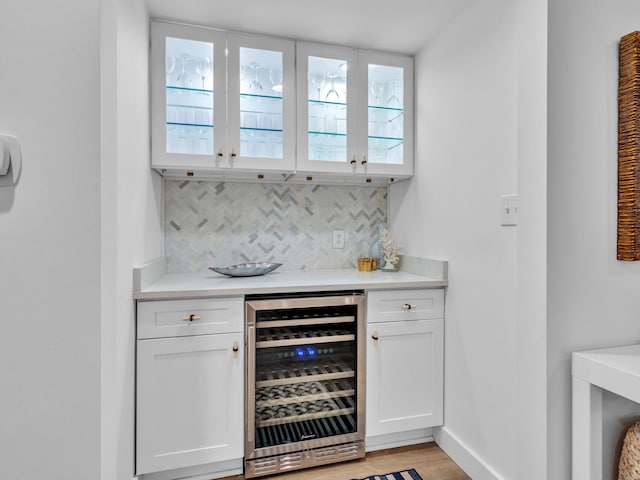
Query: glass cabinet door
[386,123]
[188,95]
[326,108]
[261,130]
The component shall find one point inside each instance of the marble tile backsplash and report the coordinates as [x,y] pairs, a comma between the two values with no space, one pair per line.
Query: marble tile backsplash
[220,223]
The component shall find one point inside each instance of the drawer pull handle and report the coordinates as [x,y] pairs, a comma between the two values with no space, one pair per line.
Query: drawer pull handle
[191,318]
[408,306]
[375,335]
[235,346]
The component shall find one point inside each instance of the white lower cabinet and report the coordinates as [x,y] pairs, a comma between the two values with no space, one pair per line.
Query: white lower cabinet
[404,361]
[189,397]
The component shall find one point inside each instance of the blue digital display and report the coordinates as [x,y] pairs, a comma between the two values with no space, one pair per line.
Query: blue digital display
[305,351]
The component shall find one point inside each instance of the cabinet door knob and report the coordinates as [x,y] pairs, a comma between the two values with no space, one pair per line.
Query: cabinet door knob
[353,162]
[375,335]
[233,156]
[408,306]
[235,346]
[191,318]
[364,161]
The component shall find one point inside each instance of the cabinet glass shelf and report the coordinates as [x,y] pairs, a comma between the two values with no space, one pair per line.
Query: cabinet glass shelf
[198,125]
[321,103]
[189,90]
[260,97]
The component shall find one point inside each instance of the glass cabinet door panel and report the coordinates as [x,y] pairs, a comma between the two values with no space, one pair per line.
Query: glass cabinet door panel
[385,114]
[327,109]
[261,104]
[261,95]
[189,96]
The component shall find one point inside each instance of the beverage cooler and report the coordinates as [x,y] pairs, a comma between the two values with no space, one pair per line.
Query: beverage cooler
[305,381]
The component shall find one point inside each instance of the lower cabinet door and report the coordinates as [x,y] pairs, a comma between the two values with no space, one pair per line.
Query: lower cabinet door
[190,402]
[404,376]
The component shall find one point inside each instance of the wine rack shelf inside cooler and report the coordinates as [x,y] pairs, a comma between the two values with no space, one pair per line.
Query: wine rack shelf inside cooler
[286,336]
[286,373]
[304,430]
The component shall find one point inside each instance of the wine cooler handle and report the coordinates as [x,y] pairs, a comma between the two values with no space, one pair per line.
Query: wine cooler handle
[250,369]
[375,335]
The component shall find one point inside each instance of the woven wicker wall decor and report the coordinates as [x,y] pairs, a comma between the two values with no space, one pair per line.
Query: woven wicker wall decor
[629,148]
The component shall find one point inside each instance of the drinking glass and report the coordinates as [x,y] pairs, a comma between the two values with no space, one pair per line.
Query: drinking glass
[203,67]
[332,94]
[170,66]
[376,88]
[275,76]
[393,102]
[317,81]
[184,80]
[255,86]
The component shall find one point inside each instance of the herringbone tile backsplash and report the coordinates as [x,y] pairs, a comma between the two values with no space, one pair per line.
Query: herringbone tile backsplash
[219,224]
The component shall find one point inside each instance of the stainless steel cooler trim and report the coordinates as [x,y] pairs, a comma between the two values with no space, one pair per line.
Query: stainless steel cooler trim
[318,451]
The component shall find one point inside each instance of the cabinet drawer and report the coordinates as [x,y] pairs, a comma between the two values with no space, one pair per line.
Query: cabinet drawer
[175,318]
[400,305]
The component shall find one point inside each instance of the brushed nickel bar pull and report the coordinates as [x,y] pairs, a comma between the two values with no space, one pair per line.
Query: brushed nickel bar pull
[191,318]
[375,335]
[408,306]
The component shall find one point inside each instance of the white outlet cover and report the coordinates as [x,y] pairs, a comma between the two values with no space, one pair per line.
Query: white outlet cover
[337,240]
[509,210]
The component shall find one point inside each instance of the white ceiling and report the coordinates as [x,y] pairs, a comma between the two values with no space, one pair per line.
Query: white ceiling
[402,26]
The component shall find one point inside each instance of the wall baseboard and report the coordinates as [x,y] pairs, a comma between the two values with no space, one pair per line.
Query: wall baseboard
[466,458]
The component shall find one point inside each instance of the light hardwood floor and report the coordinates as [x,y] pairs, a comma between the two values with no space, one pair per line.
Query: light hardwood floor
[427,458]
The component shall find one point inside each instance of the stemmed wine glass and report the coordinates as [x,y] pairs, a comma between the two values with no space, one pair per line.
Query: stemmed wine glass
[255,84]
[184,80]
[317,81]
[170,66]
[275,76]
[393,102]
[376,88]
[332,94]
[203,67]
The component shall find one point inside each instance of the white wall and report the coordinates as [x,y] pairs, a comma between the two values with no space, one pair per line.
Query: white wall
[50,240]
[131,219]
[466,151]
[594,299]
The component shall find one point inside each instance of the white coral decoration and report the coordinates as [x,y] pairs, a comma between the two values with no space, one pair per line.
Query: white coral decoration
[389,249]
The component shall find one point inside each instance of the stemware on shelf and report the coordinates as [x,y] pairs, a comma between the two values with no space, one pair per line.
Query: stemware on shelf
[203,68]
[393,101]
[170,66]
[332,94]
[275,76]
[255,86]
[184,80]
[317,81]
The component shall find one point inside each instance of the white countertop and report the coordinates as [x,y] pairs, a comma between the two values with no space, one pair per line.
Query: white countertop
[162,286]
[615,369]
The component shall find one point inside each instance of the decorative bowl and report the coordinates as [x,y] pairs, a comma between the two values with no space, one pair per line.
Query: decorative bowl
[247,269]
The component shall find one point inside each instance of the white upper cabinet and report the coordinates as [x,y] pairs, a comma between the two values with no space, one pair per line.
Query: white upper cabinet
[261,102]
[327,118]
[355,111]
[385,134]
[221,101]
[230,105]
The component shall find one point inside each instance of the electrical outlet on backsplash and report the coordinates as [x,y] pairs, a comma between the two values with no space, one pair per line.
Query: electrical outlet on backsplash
[222,223]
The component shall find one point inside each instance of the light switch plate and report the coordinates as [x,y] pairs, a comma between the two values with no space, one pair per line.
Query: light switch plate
[509,210]
[338,239]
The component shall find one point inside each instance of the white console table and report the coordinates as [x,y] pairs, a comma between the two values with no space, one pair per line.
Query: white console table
[616,370]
